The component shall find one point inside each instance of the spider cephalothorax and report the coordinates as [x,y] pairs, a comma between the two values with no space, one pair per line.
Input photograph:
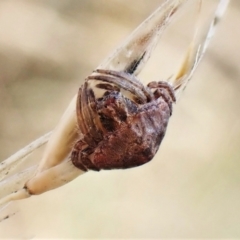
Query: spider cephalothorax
[122,127]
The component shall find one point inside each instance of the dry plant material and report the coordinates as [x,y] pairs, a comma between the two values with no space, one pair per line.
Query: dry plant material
[121,122]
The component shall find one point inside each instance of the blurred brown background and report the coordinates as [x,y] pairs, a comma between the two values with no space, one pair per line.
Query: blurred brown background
[190,189]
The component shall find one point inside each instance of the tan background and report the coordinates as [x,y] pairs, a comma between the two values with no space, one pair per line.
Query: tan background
[190,189]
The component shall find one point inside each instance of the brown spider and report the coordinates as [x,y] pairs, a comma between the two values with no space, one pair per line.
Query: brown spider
[124,127]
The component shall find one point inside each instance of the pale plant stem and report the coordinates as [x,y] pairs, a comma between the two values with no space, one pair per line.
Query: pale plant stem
[16,182]
[13,161]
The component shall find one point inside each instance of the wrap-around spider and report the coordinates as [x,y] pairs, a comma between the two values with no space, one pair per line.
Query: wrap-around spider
[123,127]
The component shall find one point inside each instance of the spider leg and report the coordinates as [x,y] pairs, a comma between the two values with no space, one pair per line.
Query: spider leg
[138,94]
[91,127]
[165,85]
[93,112]
[165,91]
[80,116]
[88,119]
[88,103]
[125,82]
[130,78]
[80,156]
[75,154]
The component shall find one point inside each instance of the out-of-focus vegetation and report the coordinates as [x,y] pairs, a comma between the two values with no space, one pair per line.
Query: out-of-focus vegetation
[190,189]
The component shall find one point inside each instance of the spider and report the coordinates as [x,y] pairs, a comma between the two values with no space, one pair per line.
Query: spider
[125,126]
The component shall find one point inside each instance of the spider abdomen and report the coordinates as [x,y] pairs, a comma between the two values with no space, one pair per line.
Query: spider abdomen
[136,141]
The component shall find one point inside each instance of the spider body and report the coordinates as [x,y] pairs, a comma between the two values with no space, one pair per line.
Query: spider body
[124,126]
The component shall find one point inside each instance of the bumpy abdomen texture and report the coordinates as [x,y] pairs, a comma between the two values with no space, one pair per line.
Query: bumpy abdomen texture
[136,141]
